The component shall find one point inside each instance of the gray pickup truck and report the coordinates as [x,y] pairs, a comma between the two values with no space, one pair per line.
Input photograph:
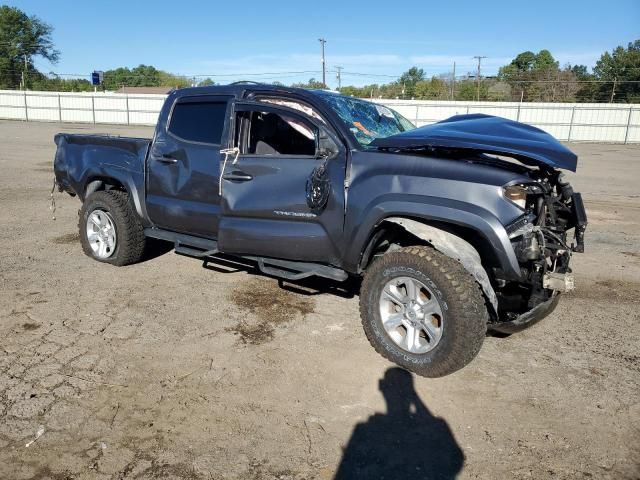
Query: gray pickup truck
[448,230]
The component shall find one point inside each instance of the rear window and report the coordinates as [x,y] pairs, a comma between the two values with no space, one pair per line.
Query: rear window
[199,120]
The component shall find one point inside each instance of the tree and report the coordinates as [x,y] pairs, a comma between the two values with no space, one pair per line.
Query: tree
[312,84]
[615,68]
[22,38]
[587,91]
[545,61]
[434,89]
[580,71]
[55,83]
[409,79]
[142,76]
[523,62]
[367,91]
[167,79]
[538,77]
[468,90]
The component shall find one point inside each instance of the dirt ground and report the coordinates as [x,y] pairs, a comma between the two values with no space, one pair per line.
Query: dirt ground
[166,369]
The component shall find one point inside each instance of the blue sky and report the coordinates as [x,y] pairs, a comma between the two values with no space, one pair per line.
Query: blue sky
[236,39]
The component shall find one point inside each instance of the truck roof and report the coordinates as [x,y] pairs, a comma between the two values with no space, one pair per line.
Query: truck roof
[239,88]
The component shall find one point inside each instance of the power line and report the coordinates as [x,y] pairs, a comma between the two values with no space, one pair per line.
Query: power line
[381,75]
[285,74]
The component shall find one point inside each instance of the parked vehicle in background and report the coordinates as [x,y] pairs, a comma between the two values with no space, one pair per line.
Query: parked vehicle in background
[454,228]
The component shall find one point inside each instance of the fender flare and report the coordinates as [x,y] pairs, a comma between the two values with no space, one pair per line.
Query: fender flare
[454,247]
[97,178]
[429,210]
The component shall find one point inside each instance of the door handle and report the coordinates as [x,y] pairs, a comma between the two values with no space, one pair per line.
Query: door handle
[167,158]
[237,176]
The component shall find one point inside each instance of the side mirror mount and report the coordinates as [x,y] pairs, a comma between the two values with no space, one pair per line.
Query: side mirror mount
[323,153]
[326,148]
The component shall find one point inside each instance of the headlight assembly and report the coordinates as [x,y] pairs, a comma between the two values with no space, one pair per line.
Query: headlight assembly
[518,193]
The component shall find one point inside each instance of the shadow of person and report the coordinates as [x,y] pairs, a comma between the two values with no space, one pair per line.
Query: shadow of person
[406,443]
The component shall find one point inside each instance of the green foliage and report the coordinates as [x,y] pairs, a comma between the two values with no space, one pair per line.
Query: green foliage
[468,90]
[410,79]
[57,84]
[523,62]
[312,83]
[434,89]
[529,76]
[143,76]
[22,38]
[170,80]
[537,77]
[545,61]
[619,66]
[581,72]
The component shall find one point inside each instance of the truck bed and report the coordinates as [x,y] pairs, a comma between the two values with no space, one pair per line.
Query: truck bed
[83,159]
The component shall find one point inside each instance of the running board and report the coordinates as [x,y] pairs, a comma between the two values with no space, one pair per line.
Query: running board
[180,239]
[291,270]
[194,252]
[199,247]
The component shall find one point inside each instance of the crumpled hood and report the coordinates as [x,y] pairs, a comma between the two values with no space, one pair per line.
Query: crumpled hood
[487,134]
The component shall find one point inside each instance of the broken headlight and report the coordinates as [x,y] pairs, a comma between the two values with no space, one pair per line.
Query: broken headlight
[519,194]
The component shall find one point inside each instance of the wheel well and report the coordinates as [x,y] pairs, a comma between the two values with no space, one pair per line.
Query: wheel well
[388,235]
[96,184]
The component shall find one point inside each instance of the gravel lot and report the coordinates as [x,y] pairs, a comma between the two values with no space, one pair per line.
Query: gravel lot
[166,369]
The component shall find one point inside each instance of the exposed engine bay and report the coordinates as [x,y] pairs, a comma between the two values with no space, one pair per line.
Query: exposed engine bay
[542,241]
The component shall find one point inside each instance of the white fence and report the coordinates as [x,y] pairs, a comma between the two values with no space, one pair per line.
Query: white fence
[575,122]
[86,107]
[581,122]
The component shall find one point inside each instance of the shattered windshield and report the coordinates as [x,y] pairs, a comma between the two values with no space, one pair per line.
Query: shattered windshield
[367,121]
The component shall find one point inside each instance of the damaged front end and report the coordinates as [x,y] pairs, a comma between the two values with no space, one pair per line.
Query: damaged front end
[543,244]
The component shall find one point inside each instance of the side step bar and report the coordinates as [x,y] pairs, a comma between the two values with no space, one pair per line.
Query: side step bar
[291,270]
[181,239]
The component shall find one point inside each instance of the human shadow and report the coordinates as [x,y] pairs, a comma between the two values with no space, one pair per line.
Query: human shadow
[406,443]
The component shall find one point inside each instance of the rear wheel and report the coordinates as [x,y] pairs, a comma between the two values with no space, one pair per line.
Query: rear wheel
[423,310]
[110,229]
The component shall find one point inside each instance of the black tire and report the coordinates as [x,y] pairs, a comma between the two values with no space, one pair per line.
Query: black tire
[465,315]
[130,238]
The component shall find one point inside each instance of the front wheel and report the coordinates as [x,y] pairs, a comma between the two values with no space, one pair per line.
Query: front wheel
[110,229]
[423,311]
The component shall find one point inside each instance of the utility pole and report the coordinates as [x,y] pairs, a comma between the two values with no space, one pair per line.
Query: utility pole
[24,73]
[339,77]
[453,82]
[324,70]
[479,58]
[613,90]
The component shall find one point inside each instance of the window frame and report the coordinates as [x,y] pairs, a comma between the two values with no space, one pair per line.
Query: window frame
[245,126]
[226,99]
